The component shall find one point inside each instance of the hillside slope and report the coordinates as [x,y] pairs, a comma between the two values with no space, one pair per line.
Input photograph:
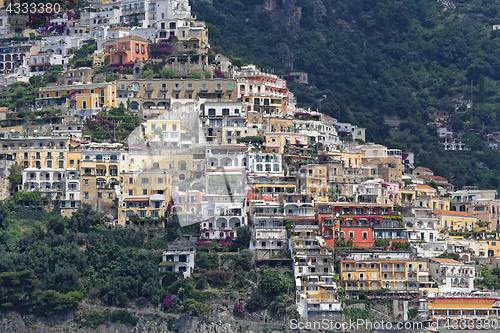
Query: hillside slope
[380,58]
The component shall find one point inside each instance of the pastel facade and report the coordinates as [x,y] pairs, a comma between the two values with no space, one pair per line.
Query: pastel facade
[145,195]
[455,221]
[85,99]
[127,49]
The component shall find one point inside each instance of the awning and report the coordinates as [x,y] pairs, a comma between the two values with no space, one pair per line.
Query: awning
[157,197]
[136,199]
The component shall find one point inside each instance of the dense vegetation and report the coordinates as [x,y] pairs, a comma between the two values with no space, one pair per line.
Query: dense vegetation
[50,263]
[370,59]
[115,125]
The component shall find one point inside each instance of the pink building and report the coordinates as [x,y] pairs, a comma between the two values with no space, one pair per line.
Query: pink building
[487,210]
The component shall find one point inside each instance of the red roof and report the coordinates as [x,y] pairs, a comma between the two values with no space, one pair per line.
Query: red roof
[426,187]
[445,260]
[433,177]
[451,212]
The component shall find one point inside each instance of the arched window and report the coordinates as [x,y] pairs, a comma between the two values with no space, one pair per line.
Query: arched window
[276,167]
[268,167]
[259,167]
[156,165]
[84,104]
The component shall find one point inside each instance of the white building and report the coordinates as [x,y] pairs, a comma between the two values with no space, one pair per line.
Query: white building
[71,198]
[265,163]
[220,220]
[61,44]
[178,261]
[48,181]
[269,236]
[451,275]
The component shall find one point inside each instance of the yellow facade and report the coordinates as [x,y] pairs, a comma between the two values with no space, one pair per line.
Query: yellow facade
[145,194]
[351,160]
[316,180]
[493,245]
[73,159]
[157,128]
[395,275]
[178,163]
[100,176]
[276,141]
[83,96]
[38,151]
[454,221]
[264,104]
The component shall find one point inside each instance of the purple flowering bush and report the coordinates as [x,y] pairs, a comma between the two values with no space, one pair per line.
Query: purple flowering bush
[239,310]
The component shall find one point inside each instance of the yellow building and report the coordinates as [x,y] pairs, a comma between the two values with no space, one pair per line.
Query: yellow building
[315,177]
[264,105]
[37,151]
[146,194]
[455,221]
[275,141]
[493,245]
[423,196]
[166,130]
[409,276]
[180,167]
[87,99]
[100,176]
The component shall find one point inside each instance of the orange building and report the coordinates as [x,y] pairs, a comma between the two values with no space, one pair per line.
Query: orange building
[126,50]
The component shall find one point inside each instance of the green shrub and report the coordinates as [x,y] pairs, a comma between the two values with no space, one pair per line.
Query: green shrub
[123,316]
[91,320]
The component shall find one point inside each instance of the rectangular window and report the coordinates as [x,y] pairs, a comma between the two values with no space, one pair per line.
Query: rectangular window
[122,86]
[130,180]
[86,195]
[143,49]
[130,192]
[61,164]
[99,195]
[144,192]
[160,180]
[49,164]
[145,180]
[174,128]
[110,195]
